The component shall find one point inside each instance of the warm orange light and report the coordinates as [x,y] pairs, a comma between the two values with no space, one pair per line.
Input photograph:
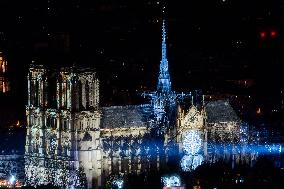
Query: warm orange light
[18,123]
[258,111]
[5,183]
[197,187]
[4,86]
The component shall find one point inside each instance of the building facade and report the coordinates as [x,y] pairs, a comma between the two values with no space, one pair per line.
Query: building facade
[62,126]
[4,82]
[73,142]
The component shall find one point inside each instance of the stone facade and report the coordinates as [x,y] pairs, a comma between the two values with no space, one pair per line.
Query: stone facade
[72,142]
[62,126]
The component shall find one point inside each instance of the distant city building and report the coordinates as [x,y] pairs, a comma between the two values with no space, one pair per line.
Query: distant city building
[4,82]
[73,142]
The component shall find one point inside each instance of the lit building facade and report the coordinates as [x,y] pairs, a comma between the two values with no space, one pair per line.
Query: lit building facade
[4,82]
[72,142]
[62,127]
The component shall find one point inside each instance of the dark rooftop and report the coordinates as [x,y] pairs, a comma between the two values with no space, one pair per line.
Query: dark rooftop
[220,111]
[126,116]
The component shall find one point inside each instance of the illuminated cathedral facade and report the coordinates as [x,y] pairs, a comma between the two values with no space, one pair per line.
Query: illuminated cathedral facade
[73,142]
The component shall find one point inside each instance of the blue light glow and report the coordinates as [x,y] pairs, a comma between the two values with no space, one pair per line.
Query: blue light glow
[190,162]
[261,149]
[118,183]
[171,181]
[12,179]
[244,130]
[192,142]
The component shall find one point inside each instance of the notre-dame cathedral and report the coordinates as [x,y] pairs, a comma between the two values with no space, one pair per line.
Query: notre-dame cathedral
[73,142]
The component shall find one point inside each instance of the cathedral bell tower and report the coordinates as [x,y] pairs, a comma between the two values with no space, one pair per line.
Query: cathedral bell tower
[63,118]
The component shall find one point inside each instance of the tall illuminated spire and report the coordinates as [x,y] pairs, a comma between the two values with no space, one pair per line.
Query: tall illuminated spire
[164,81]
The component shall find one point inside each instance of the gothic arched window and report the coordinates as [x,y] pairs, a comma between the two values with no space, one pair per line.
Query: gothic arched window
[87,92]
[79,95]
[53,145]
[36,93]
[51,122]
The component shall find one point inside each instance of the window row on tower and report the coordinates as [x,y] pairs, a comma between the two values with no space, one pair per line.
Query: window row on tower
[67,88]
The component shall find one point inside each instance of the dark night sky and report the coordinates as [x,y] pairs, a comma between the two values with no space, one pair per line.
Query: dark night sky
[208,41]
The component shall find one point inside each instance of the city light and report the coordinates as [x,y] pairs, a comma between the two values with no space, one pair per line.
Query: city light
[12,180]
[258,111]
[262,35]
[118,183]
[273,34]
[171,181]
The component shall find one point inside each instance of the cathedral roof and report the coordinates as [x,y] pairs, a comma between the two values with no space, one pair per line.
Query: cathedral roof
[220,111]
[126,116]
